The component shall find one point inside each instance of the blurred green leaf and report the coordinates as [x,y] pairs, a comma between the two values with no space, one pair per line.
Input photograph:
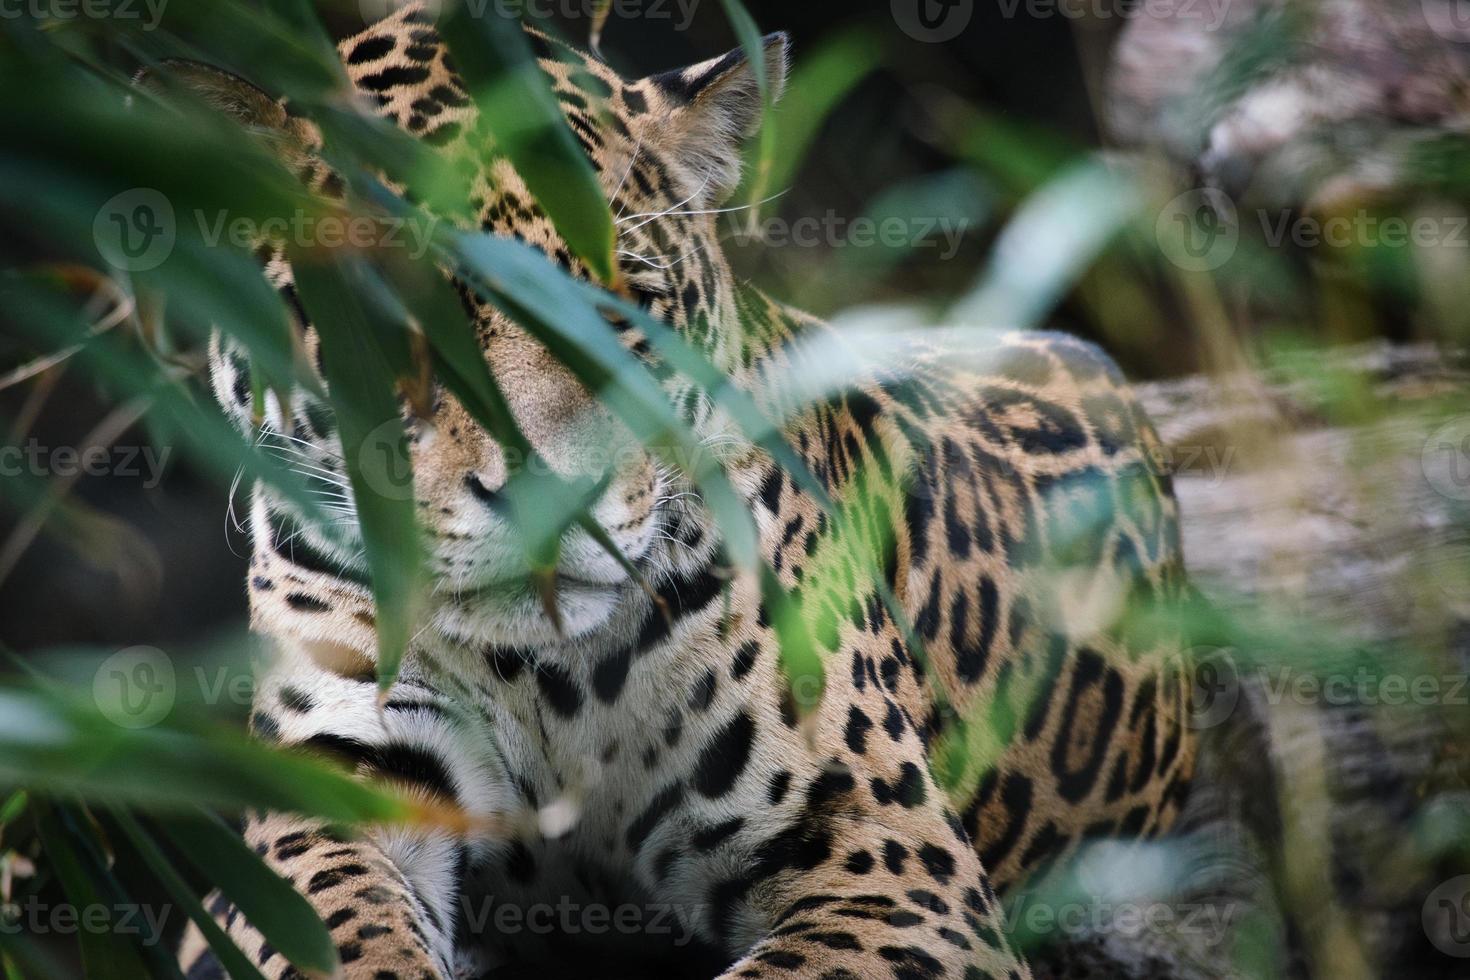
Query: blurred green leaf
[105,953]
[364,354]
[235,962]
[64,745]
[1049,242]
[517,106]
[753,44]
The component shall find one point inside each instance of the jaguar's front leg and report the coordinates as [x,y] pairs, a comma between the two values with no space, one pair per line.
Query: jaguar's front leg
[389,896]
[867,872]
[912,904]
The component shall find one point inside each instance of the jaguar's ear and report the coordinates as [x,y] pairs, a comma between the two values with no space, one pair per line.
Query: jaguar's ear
[715,106]
[228,93]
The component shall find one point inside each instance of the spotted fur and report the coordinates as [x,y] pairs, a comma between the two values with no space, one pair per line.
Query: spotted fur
[1005,498]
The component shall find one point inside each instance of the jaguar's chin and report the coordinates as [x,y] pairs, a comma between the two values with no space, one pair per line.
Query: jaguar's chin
[519,613]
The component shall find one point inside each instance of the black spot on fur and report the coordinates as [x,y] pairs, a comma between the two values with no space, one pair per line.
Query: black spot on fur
[724,757]
[559,690]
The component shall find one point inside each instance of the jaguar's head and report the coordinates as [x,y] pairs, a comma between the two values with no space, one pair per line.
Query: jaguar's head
[667,151]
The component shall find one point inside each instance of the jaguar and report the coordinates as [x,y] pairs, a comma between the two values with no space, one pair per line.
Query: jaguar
[977,545]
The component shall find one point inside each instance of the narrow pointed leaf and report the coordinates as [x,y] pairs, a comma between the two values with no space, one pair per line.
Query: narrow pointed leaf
[363,355]
[520,111]
[237,965]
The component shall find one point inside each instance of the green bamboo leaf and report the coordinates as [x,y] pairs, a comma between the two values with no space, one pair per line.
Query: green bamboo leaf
[13,808]
[235,962]
[364,353]
[268,901]
[749,36]
[286,37]
[753,44]
[23,959]
[108,869]
[105,954]
[518,107]
[52,741]
[806,675]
